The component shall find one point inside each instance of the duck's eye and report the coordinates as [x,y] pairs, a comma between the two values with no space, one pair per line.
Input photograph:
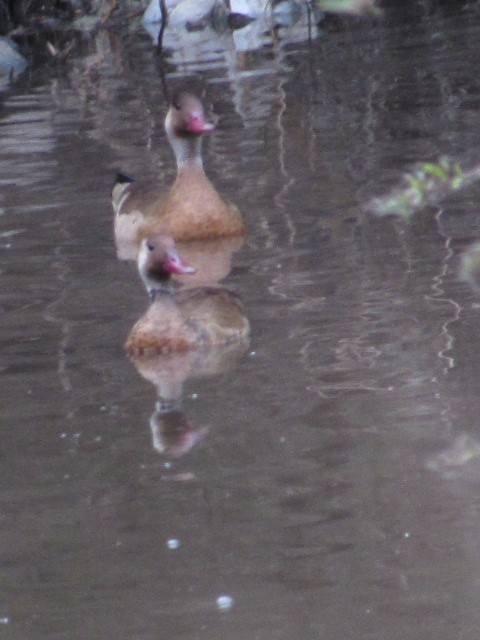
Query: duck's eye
[176,104]
[150,246]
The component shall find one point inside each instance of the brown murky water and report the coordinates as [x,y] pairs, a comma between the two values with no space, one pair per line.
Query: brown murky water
[329,477]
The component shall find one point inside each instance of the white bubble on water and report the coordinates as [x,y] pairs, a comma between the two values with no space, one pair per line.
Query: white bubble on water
[173,544]
[224,603]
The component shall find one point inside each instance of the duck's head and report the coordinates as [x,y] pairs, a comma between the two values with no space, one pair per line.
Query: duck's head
[158,259]
[186,116]
[185,125]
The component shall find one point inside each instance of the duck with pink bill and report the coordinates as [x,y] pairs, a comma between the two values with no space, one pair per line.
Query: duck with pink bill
[191,209]
[182,319]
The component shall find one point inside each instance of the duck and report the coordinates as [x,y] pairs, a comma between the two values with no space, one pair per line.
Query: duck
[177,319]
[192,209]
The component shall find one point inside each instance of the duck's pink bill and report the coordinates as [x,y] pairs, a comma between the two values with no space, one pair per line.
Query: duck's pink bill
[176,265]
[198,125]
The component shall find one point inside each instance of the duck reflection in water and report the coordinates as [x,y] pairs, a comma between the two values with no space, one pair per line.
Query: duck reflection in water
[201,331]
[173,433]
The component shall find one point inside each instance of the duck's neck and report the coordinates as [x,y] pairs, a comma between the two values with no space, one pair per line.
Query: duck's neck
[161,290]
[187,151]
[187,148]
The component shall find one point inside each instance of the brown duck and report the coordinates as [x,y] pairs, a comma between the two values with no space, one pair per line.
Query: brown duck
[181,319]
[192,209]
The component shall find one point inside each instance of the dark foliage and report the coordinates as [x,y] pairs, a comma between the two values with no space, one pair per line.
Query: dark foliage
[18,12]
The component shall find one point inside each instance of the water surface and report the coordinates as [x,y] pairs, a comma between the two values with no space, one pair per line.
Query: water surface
[312,492]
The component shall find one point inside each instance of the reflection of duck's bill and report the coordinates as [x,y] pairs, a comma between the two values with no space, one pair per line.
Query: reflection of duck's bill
[173,434]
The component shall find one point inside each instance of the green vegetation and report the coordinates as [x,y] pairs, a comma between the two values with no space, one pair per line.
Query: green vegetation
[426,185]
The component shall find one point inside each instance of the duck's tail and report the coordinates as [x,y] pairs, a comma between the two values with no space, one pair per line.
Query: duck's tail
[122,178]
[120,191]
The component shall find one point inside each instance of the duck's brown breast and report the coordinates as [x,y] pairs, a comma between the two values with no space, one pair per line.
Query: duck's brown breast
[193,210]
[161,329]
[195,318]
